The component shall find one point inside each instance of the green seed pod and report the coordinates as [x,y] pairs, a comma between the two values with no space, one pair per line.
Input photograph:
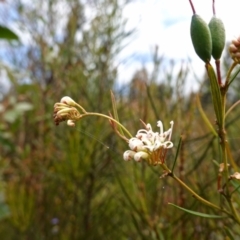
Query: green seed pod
[218,37]
[201,38]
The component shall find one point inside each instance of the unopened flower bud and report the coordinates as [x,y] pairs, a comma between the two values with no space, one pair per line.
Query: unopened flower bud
[217,30]
[135,144]
[69,101]
[140,156]
[71,123]
[63,112]
[201,38]
[234,50]
[128,155]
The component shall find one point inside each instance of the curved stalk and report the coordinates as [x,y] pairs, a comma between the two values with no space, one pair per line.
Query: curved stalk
[223,143]
[227,83]
[233,215]
[109,118]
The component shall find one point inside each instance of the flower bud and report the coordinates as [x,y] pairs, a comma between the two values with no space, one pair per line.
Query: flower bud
[217,30]
[135,144]
[69,101]
[201,38]
[70,123]
[128,155]
[140,156]
[234,50]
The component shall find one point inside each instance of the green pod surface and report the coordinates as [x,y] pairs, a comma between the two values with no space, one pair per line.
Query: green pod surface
[201,38]
[217,30]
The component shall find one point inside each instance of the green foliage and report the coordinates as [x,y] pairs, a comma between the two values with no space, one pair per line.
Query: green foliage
[6,33]
[198,214]
[71,183]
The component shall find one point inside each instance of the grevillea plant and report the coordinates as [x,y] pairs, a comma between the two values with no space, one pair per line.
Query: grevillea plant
[150,146]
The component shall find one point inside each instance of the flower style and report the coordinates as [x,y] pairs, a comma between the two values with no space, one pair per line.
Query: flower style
[149,145]
[66,111]
[234,50]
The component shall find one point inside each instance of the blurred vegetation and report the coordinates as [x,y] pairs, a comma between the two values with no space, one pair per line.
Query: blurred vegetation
[65,183]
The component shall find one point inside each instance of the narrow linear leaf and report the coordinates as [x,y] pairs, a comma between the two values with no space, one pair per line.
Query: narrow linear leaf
[232,107]
[114,106]
[196,213]
[152,103]
[216,163]
[178,148]
[228,233]
[231,159]
[6,33]
[236,186]
[216,94]
[115,113]
[204,117]
[234,76]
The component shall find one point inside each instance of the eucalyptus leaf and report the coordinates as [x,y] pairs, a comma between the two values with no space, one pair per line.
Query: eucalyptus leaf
[196,213]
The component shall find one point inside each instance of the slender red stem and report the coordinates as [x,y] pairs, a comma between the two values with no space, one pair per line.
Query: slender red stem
[193,9]
[213,7]
[217,62]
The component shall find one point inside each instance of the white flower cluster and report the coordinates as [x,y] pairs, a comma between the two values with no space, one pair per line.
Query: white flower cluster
[149,145]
